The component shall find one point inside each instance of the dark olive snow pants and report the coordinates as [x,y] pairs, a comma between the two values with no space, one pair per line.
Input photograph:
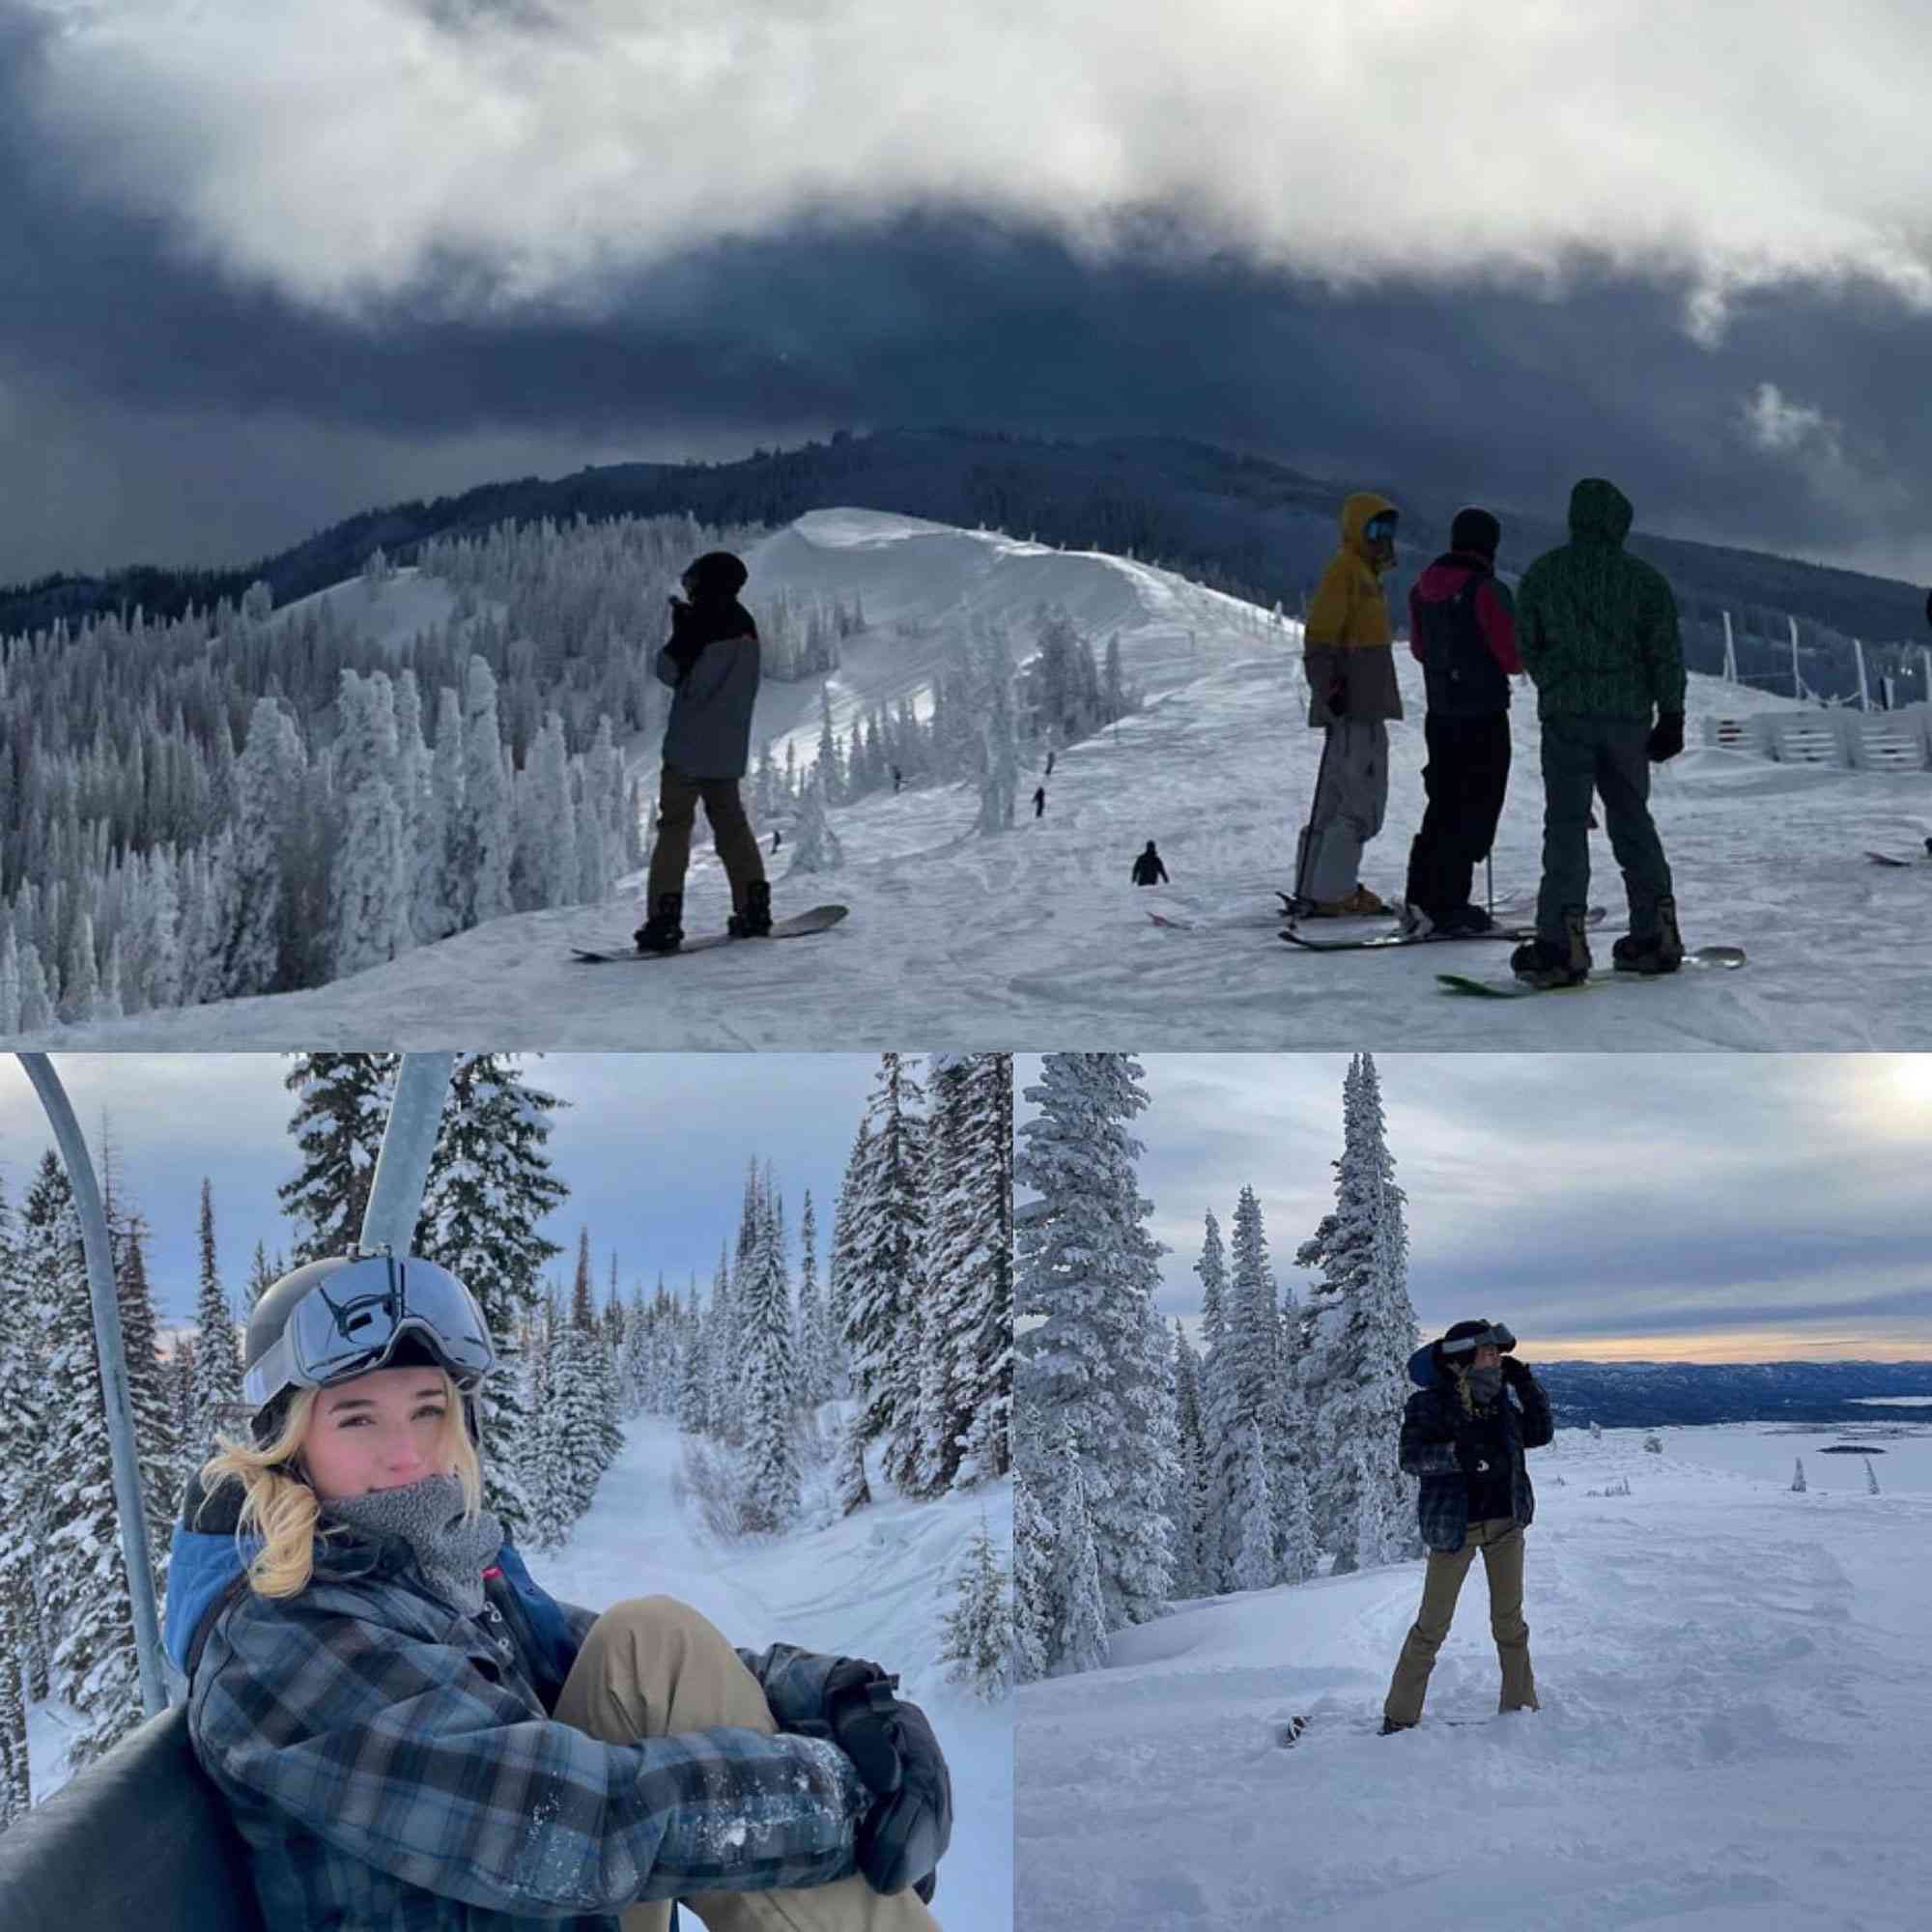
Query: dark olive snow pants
[1607,756]
[1500,1541]
[651,1666]
[678,799]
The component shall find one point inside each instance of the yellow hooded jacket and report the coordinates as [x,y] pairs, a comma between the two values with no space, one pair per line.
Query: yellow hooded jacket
[1348,637]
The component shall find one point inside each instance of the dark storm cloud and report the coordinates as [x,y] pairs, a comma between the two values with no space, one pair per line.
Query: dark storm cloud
[140,338]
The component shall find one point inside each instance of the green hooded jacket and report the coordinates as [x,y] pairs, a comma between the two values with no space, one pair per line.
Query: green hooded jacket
[1597,628]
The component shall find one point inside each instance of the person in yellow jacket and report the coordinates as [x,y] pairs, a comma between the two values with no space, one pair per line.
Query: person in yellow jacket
[1353,695]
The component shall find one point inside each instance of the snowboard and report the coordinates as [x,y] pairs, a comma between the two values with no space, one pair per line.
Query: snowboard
[820,919]
[1380,941]
[1892,858]
[1291,1731]
[1705,959]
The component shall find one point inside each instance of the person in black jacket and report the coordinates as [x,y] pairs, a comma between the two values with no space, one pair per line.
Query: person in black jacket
[1148,868]
[1464,1437]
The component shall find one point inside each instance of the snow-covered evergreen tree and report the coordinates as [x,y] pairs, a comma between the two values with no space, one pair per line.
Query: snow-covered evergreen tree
[1357,1332]
[218,1355]
[772,1481]
[1078,1589]
[1254,1509]
[813,1341]
[1035,1615]
[979,1628]
[1187,1510]
[369,904]
[815,846]
[1093,1365]
[23,1474]
[341,1110]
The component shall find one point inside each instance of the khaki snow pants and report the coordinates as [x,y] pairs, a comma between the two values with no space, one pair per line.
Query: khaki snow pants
[652,1665]
[678,799]
[1500,1541]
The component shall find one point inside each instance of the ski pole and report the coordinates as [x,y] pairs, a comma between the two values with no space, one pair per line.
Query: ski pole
[1308,832]
[1490,882]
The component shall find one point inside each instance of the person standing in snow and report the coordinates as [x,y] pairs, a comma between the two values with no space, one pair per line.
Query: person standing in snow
[407,1728]
[1148,868]
[1463,632]
[1353,697]
[1597,629]
[712,666]
[1040,801]
[1464,1437]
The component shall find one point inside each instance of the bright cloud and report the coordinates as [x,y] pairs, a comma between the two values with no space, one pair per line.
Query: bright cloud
[342,149]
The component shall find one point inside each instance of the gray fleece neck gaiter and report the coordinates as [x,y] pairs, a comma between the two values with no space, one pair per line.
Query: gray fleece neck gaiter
[427,1516]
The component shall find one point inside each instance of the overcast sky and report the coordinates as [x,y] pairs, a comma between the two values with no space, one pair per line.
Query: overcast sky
[262,266]
[653,1150]
[1715,1207]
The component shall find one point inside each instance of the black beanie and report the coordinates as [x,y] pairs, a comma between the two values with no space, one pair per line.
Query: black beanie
[716,575]
[1477,531]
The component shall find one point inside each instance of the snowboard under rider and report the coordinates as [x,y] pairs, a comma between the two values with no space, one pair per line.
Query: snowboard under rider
[1462,631]
[409,1730]
[1352,696]
[1464,1437]
[712,666]
[1149,869]
[1597,630]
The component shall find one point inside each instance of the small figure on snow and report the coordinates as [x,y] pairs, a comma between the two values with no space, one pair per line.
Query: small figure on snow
[899,779]
[1049,764]
[387,1612]
[778,838]
[712,665]
[1597,629]
[1466,1440]
[1352,696]
[1148,868]
[1461,630]
[1038,800]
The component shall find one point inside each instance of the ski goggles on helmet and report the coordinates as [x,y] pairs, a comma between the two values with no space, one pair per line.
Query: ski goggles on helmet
[1380,529]
[352,1319]
[1496,1336]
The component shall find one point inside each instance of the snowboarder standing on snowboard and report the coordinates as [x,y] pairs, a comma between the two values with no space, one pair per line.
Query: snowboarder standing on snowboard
[1597,629]
[1352,696]
[1464,1437]
[1148,868]
[409,1730]
[712,666]
[1463,632]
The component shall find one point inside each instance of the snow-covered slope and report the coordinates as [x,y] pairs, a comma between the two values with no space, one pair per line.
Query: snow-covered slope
[874,1584]
[1035,939]
[1735,1700]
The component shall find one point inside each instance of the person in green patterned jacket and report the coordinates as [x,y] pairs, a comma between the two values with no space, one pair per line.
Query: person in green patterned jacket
[1596,631]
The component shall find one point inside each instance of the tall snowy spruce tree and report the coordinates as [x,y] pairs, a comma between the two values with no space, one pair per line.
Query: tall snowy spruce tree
[1357,1332]
[1187,1511]
[979,1628]
[342,1107]
[771,1471]
[23,1478]
[218,1355]
[1094,1371]
[885,1282]
[490,1185]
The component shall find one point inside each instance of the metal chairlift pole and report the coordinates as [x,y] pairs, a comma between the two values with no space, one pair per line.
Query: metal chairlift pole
[111,1355]
[408,1141]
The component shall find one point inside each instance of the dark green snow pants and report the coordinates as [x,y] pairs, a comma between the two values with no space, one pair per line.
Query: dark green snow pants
[1606,757]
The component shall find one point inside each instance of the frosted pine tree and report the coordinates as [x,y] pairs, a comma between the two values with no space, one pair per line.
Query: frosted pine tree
[770,1385]
[218,1355]
[979,1628]
[1080,1632]
[446,896]
[853,1490]
[546,1477]
[369,905]
[1221,1439]
[1035,1615]
[490,1187]
[839,1261]
[886,1285]
[156,1441]
[1357,1332]
[814,846]
[1190,1570]
[812,1345]
[1092,1365]
[1296,1550]
[341,1110]
[485,839]
[24,1469]
[1254,1509]
[270,762]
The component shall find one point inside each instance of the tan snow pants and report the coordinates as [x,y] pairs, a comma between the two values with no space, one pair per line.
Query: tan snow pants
[678,799]
[1500,1541]
[652,1665]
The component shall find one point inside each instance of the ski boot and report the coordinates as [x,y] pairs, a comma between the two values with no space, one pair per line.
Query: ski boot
[755,922]
[1659,952]
[664,930]
[1540,962]
[1464,921]
[1361,903]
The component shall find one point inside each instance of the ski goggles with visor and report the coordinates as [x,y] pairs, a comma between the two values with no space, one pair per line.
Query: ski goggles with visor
[351,1321]
[1380,529]
[1497,1336]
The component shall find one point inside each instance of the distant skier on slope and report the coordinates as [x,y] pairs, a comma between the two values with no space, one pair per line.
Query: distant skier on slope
[1466,1440]
[407,1728]
[1353,695]
[712,663]
[1463,632]
[1597,630]
[1040,801]
[1149,869]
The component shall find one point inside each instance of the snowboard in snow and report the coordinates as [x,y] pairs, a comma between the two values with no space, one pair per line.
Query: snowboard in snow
[1893,858]
[1292,1730]
[1381,941]
[819,919]
[1706,958]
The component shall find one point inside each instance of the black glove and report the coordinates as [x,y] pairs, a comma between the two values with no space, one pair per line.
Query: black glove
[1338,698]
[1666,737]
[1514,1373]
[898,1760]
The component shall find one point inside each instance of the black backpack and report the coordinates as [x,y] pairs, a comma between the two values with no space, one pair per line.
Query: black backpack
[1460,670]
